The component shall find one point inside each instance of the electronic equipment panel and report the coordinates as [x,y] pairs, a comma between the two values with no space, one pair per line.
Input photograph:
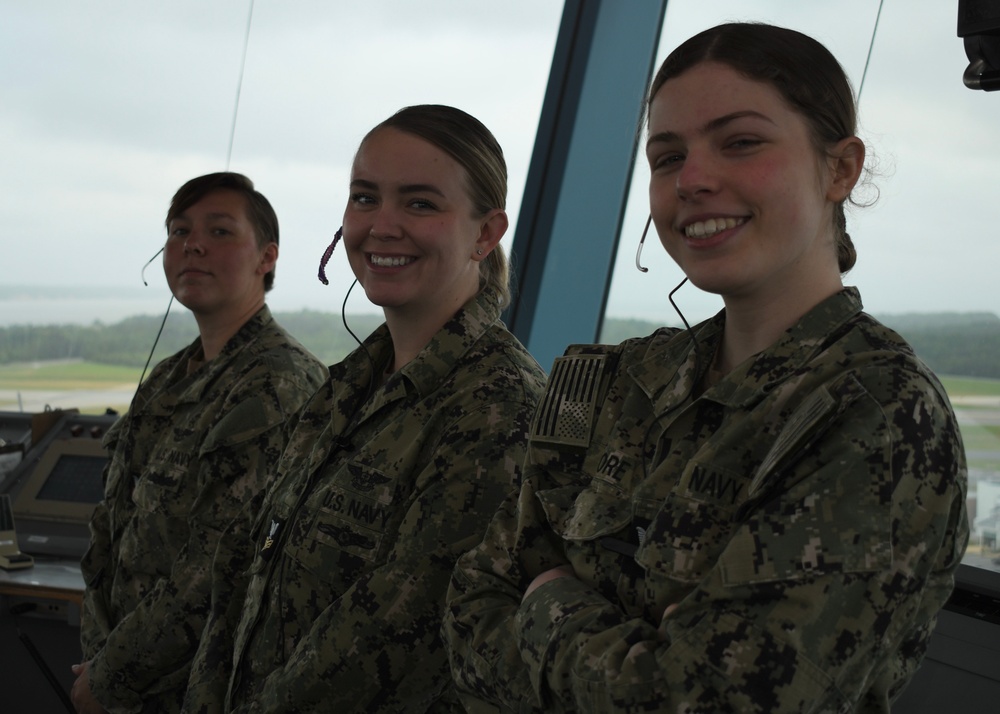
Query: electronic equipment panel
[15,440]
[56,486]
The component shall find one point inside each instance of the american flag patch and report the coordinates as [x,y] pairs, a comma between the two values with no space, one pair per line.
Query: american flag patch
[566,413]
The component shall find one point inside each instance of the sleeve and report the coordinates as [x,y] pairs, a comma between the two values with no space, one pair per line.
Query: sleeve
[382,635]
[150,648]
[826,590]
[485,593]
[94,616]
[212,662]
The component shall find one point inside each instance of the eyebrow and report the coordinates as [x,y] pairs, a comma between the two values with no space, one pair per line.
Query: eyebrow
[211,216]
[710,126]
[405,188]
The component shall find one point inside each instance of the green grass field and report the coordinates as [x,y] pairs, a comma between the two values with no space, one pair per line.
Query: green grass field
[65,375]
[65,378]
[971,387]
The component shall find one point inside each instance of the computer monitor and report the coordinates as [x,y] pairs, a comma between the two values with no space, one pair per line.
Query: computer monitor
[65,484]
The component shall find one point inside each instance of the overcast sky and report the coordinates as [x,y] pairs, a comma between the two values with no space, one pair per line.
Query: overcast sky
[107,106]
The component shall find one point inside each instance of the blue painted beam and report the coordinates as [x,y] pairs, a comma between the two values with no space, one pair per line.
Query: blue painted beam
[574,200]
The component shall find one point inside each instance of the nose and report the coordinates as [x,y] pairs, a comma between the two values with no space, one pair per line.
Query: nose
[194,243]
[385,225]
[697,176]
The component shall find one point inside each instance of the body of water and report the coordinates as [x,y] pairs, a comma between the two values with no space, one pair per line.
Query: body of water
[78,311]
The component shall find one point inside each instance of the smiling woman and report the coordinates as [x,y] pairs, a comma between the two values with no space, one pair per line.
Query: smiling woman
[419,243]
[762,512]
[394,467]
[110,104]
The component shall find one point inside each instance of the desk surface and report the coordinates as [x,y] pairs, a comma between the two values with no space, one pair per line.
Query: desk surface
[47,578]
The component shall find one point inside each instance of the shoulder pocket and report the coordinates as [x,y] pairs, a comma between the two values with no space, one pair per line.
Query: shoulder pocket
[250,418]
[825,505]
[575,388]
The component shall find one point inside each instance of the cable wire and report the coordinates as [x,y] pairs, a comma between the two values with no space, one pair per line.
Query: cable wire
[871,45]
[239,85]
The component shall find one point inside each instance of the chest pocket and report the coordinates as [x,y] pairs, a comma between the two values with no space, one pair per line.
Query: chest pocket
[342,528]
[692,526]
[594,524]
[588,514]
[161,490]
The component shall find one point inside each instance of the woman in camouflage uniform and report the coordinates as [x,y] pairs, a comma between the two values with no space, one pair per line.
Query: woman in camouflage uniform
[197,442]
[396,465]
[762,513]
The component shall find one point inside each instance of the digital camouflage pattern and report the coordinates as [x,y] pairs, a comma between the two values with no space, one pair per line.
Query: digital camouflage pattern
[806,514]
[377,494]
[191,451]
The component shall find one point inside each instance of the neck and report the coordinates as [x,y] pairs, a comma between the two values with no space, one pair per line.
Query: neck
[753,325]
[412,329]
[216,330]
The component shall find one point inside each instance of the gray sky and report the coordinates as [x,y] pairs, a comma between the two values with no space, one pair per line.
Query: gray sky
[109,105]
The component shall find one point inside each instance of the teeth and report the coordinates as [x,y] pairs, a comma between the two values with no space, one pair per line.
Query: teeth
[390,261]
[703,229]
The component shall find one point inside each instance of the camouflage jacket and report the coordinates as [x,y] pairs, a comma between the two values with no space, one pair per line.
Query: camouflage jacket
[190,451]
[378,492]
[806,513]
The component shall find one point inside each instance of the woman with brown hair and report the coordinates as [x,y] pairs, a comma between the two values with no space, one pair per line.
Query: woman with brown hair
[394,468]
[764,512]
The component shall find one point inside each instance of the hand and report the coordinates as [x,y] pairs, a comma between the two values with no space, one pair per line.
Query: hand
[561,571]
[81,695]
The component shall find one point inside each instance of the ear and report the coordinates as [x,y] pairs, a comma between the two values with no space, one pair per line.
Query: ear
[491,229]
[846,160]
[268,258]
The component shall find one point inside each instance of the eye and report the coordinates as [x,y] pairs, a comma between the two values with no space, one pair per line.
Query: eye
[743,142]
[178,232]
[666,160]
[363,199]
[422,205]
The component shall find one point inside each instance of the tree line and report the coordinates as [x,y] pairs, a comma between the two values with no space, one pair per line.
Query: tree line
[958,344]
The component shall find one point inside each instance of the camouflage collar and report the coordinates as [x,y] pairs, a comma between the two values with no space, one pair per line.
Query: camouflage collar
[426,371]
[191,388]
[439,357]
[754,378]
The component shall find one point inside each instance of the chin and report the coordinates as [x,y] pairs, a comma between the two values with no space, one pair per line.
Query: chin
[193,303]
[382,300]
[708,283]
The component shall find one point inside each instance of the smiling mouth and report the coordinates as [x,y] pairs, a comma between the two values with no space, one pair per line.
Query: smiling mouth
[705,229]
[390,261]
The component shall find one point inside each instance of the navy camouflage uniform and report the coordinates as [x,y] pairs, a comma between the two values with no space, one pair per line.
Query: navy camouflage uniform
[380,489]
[806,514]
[192,449]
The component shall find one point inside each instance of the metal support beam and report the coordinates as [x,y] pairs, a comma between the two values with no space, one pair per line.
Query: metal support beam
[578,180]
